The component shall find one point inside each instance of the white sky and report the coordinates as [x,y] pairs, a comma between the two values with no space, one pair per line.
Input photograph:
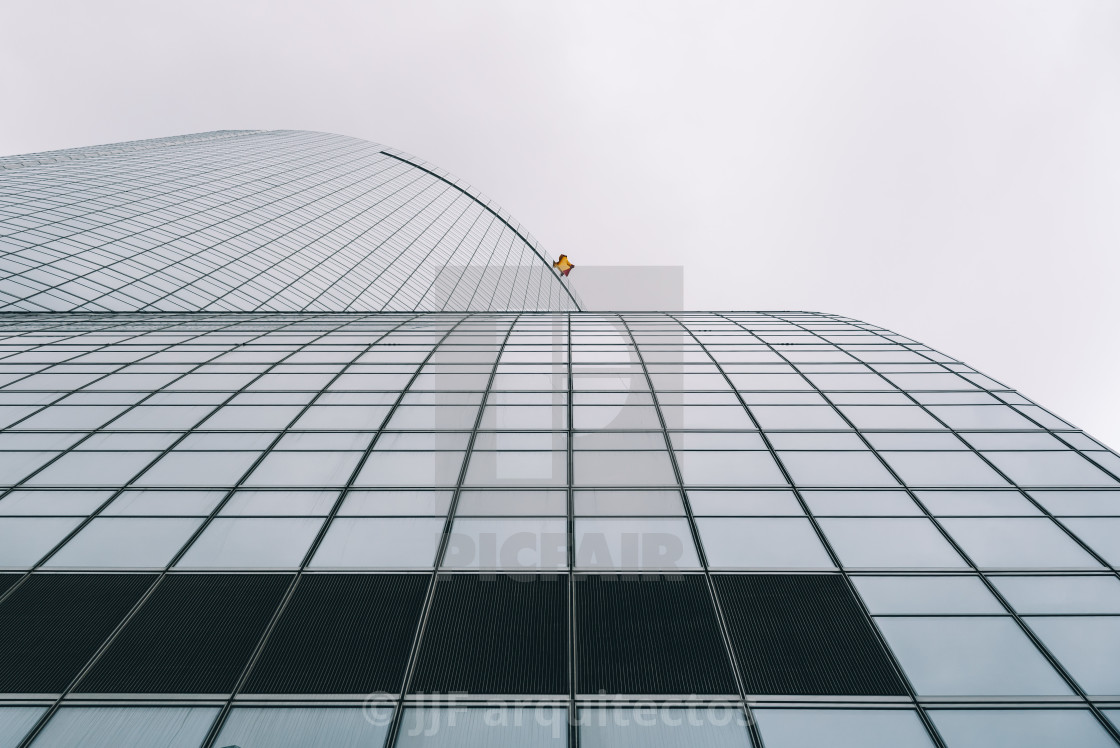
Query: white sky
[949,169]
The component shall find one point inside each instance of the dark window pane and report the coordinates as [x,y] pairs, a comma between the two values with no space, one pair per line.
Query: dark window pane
[342,633]
[53,623]
[496,634]
[193,635]
[803,634]
[649,635]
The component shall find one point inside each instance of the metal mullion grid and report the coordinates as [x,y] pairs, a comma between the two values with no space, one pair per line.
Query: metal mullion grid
[429,595]
[467,265]
[1073,536]
[146,166]
[725,634]
[90,433]
[219,721]
[415,214]
[1112,730]
[483,277]
[241,257]
[62,326]
[903,678]
[489,209]
[26,574]
[1054,662]
[159,227]
[430,252]
[408,203]
[443,266]
[46,716]
[573,643]
[365,231]
[363,178]
[243,174]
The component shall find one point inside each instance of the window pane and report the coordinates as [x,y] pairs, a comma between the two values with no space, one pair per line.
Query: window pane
[61,503]
[635,543]
[942,469]
[285,503]
[841,728]
[396,503]
[836,469]
[517,468]
[1015,542]
[889,417]
[890,543]
[1060,594]
[93,469]
[358,543]
[1050,469]
[523,543]
[743,503]
[112,727]
[770,543]
[166,503]
[125,543]
[977,503]
[623,469]
[252,543]
[917,596]
[505,727]
[1072,503]
[531,503]
[642,725]
[198,469]
[860,503]
[797,417]
[1087,646]
[304,469]
[729,469]
[970,657]
[285,727]
[1102,534]
[17,721]
[1019,728]
[411,469]
[628,503]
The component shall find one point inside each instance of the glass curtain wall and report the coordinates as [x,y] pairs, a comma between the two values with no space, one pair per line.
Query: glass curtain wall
[541,529]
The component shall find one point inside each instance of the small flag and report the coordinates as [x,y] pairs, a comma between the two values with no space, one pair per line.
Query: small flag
[563,265]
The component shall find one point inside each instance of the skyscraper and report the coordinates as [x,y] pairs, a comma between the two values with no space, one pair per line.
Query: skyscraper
[305,443]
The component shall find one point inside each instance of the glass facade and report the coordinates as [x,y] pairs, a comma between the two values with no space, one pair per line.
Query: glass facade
[250,220]
[223,527]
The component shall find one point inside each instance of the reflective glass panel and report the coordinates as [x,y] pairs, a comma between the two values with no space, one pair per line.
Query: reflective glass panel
[1060,594]
[379,543]
[1087,646]
[1015,542]
[764,542]
[917,596]
[502,727]
[113,727]
[252,543]
[970,657]
[841,728]
[125,542]
[295,727]
[1019,728]
[521,543]
[890,543]
[649,726]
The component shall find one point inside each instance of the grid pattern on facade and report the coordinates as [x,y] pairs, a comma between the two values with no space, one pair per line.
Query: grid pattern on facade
[272,461]
[259,220]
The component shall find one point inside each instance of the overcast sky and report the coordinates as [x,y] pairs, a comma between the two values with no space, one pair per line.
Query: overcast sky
[949,169]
